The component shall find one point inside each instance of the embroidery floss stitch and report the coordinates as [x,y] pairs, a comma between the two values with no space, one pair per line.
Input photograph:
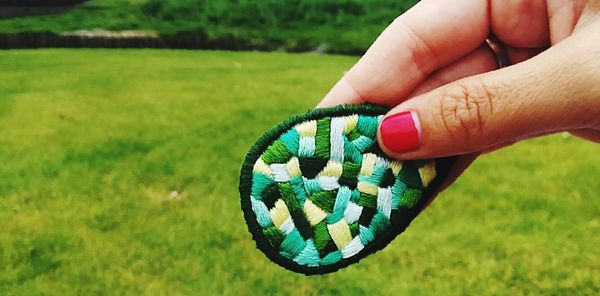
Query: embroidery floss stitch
[318,194]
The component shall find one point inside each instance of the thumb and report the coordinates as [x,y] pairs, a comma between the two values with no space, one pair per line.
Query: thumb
[556,90]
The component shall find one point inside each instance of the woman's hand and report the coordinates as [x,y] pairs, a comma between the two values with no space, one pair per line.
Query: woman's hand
[432,64]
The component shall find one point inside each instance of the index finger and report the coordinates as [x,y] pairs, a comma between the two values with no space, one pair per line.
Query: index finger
[432,34]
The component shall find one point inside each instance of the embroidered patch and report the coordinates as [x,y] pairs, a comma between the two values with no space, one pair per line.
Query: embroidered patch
[319,194]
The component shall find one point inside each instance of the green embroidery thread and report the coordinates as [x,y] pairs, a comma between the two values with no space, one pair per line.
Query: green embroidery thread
[318,193]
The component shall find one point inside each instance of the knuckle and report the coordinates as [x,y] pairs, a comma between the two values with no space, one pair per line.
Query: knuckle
[464,109]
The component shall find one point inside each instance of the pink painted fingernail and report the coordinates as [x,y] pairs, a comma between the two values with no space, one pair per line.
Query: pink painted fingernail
[401,132]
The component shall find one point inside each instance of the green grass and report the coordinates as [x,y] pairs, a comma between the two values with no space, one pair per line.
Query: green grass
[92,142]
[340,26]
[107,14]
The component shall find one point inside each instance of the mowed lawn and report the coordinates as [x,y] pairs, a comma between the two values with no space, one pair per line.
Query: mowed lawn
[119,174]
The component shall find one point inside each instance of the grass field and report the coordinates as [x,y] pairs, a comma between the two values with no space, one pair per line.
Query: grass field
[94,144]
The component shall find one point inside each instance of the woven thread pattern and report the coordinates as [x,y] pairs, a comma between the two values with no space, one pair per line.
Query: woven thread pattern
[323,190]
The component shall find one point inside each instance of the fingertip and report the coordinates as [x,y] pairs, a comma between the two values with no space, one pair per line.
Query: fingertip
[400,133]
[409,132]
[341,93]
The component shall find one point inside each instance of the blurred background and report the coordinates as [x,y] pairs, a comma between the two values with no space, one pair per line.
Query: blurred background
[346,26]
[123,126]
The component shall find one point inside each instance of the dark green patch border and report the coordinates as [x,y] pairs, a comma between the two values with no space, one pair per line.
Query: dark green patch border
[443,166]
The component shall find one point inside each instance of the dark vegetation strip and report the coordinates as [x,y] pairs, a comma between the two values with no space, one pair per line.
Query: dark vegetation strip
[177,41]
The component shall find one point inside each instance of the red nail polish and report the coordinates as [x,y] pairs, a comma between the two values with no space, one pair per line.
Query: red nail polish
[401,132]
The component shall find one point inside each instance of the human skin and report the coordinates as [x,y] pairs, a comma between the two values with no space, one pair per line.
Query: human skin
[432,61]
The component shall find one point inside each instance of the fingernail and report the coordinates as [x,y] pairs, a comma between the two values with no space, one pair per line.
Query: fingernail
[401,132]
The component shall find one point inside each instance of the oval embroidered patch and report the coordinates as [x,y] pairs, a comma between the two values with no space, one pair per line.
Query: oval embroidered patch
[319,194]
